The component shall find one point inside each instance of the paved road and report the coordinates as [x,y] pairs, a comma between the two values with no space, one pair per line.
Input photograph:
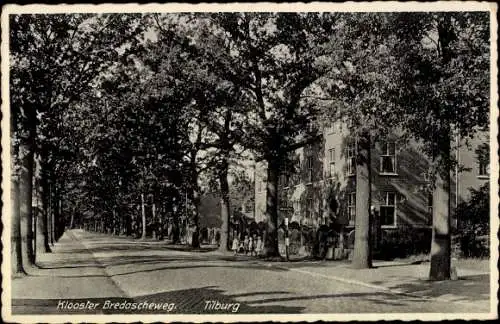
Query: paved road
[122,270]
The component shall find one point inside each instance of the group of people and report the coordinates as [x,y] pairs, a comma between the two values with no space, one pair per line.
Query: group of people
[250,245]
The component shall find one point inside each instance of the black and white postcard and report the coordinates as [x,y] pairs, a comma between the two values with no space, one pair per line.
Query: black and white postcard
[249,162]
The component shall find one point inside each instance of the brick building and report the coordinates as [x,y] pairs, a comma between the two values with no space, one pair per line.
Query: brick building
[325,173]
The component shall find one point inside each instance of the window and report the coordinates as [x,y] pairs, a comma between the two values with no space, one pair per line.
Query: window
[388,210]
[483,160]
[484,168]
[309,207]
[351,159]
[284,201]
[331,163]
[249,207]
[284,180]
[351,208]
[309,169]
[388,158]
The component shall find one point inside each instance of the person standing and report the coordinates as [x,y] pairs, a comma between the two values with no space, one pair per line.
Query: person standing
[259,246]
[245,244]
[235,244]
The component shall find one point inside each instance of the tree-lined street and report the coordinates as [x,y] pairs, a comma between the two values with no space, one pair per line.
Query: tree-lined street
[136,139]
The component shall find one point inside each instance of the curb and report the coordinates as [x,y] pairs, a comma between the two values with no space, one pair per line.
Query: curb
[101,265]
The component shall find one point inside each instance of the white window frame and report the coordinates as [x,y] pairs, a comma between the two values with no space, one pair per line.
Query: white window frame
[386,153]
[351,208]
[331,162]
[386,204]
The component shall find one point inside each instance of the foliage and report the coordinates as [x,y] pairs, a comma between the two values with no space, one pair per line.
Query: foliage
[442,77]
[115,113]
[241,190]
[472,233]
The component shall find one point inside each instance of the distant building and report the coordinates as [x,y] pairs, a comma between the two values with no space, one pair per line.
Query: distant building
[322,188]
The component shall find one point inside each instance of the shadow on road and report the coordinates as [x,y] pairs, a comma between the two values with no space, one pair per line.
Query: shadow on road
[467,288]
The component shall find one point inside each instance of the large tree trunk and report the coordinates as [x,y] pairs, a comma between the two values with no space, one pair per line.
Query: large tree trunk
[225,208]
[39,209]
[441,216]
[362,257]
[271,240]
[26,154]
[441,224]
[16,254]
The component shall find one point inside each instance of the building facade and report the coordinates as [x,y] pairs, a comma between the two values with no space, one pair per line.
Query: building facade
[321,187]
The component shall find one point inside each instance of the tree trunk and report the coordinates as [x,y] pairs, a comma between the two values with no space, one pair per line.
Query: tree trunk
[176,237]
[143,211]
[271,240]
[50,213]
[46,213]
[57,212]
[441,208]
[60,221]
[195,243]
[40,237]
[441,226]
[53,208]
[362,257]
[225,208]
[115,223]
[154,224]
[16,254]
[26,154]
[40,218]
[72,220]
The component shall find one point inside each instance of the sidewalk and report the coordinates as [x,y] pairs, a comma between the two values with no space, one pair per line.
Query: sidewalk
[69,272]
[473,286]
